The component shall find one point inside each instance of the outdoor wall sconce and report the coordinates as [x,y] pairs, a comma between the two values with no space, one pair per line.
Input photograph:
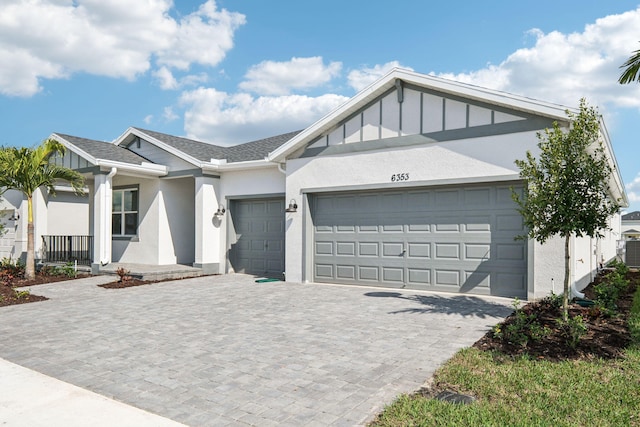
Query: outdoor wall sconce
[221,210]
[14,216]
[293,206]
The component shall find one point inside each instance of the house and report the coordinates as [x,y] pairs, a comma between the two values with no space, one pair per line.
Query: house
[631,226]
[406,185]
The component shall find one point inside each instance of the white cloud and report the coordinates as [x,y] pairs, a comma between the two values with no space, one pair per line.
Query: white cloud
[359,79]
[228,119]
[148,119]
[169,115]
[118,38]
[633,190]
[563,68]
[280,78]
[165,78]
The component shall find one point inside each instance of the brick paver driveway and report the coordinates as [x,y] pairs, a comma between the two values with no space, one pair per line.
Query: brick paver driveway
[224,350]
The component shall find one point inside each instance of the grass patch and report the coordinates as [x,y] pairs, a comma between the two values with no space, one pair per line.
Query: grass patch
[523,391]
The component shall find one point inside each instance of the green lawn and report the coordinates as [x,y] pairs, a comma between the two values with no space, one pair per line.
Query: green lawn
[526,392]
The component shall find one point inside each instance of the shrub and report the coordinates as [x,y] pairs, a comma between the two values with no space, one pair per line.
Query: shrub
[68,270]
[608,291]
[123,274]
[14,268]
[573,329]
[23,294]
[522,328]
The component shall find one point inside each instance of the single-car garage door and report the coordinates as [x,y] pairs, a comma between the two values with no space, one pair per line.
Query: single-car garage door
[258,225]
[458,239]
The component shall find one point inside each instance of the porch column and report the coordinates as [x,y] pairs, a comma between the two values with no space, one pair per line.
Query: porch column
[102,219]
[207,225]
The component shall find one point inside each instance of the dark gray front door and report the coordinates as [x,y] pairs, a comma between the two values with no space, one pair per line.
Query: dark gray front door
[259,236]
[454,238]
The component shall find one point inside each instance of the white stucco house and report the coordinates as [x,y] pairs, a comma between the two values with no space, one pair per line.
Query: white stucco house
[631,226]
[406,185]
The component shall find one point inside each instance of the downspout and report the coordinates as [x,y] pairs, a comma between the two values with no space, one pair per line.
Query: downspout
[573,291]
[105,224]
[282,170]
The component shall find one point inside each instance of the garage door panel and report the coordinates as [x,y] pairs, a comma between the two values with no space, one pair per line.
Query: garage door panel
[419,276]
[392,249]
[419,250]
[447,278]
[368,249]
[477,252]
[447,251]
[456,239]
[346,249]
[368,273]
[324,248]
[393,274]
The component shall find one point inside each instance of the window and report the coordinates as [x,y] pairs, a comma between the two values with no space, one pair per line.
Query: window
[124,218]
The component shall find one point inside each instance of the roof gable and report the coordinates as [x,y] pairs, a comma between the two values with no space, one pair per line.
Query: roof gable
[91,150]
[468,106]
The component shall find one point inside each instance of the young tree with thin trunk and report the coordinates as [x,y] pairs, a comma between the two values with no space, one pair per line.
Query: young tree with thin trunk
[566,190]
[26,170]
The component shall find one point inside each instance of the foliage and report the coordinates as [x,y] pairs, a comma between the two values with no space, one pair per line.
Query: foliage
[16,268]
[523,328]
[619,266]
[23,294]
[566,191]
[26,170]
[66,270]
[552,300]
[631,69]
[634,321]
[609,289]
[123,274]
[573,329]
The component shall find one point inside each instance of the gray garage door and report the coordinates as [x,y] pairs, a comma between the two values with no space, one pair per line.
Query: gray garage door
[458,239]
[259,235]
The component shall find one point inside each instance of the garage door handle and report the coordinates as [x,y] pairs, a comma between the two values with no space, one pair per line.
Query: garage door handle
[404,251]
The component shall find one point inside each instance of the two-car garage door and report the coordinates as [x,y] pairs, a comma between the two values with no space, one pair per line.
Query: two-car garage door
[458,239]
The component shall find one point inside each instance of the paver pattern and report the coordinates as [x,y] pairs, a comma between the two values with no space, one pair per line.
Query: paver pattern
[224,350]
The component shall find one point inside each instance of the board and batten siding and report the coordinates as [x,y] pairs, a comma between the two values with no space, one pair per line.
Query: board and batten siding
[418,113]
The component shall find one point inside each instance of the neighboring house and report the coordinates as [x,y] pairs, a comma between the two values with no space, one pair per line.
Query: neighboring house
[406,185]
[631,226]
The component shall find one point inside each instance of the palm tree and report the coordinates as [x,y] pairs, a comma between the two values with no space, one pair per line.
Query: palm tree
[631,69]
[26,170]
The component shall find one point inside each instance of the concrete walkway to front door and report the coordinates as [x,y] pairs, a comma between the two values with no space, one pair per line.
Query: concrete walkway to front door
[224,350]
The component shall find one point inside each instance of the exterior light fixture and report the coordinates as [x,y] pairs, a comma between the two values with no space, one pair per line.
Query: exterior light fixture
[14,216]
[221,210]
[293,206]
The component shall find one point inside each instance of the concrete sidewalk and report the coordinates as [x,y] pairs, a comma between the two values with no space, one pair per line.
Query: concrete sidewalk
[29,398]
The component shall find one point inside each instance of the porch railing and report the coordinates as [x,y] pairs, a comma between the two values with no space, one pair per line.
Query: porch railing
[68,249]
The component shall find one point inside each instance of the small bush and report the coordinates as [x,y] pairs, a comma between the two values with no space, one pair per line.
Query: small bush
[123,274]
[68,270]
[573,329]
[608,291]
[523,328]
[552,300]
[14,268]
[23,294]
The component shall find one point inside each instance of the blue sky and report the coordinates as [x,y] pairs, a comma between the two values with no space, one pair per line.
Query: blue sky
[233,71]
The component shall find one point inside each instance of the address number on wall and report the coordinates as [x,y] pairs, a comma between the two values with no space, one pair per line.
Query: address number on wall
[398,177]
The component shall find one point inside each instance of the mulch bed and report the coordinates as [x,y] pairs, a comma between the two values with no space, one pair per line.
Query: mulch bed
[8,283]
[606,337]
[127,283]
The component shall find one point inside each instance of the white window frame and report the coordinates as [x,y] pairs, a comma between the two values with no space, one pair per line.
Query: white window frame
[122,190]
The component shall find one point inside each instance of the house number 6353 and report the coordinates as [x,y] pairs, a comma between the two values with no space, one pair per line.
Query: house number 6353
[397,177]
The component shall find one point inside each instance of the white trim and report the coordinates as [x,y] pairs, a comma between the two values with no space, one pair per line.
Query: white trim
[250,164]
[144,168]
[387,82]
[166,147]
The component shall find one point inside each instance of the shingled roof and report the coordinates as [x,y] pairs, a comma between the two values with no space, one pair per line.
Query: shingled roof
[104,150]
[631,216]
[254,150]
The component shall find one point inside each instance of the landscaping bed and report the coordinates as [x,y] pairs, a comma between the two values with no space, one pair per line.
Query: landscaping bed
[536,375]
